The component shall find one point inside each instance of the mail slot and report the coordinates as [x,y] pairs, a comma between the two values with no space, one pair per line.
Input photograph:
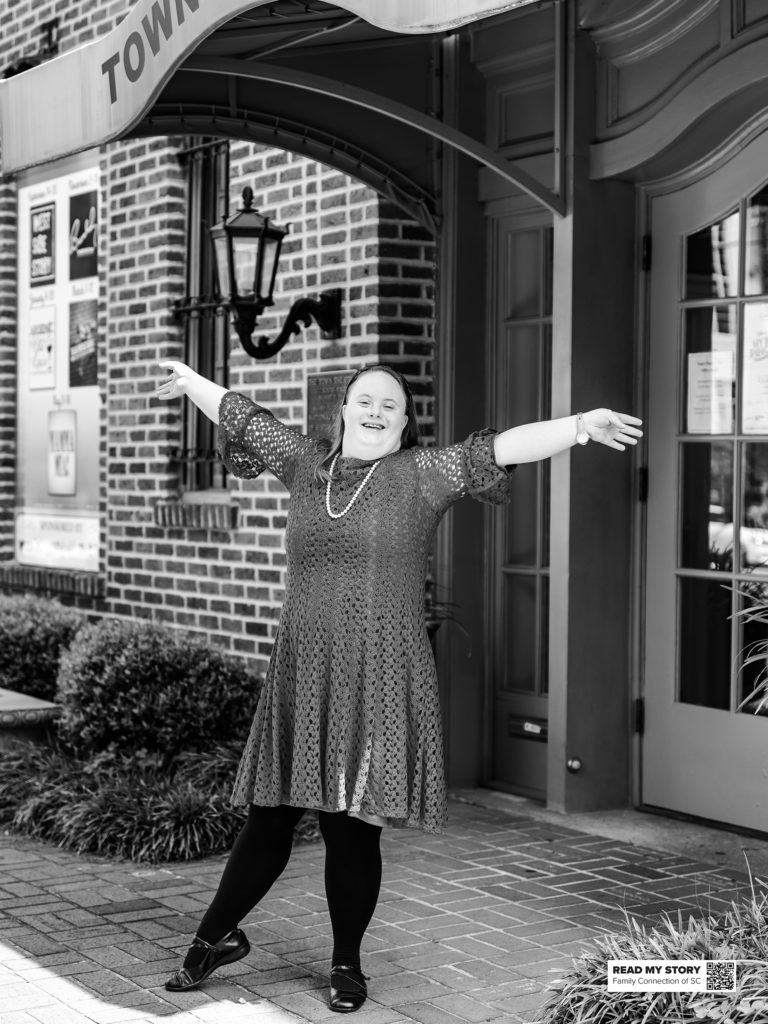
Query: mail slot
[528,728]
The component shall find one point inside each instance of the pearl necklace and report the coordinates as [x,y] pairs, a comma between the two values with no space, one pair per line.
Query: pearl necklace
[353,499]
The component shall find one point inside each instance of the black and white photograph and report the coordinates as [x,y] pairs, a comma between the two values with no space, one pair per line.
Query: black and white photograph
[384,512]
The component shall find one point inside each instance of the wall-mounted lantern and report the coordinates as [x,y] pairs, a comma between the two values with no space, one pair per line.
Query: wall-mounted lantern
[247,247]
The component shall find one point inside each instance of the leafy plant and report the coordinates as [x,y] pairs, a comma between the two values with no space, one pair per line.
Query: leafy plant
[135,805]
[33,633]
[581,996]
[755,654]
[135,686]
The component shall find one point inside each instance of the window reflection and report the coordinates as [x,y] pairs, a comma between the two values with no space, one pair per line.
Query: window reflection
[707,506]
[756,267]
[712,260]
[754,529]
[753,646]
[705,653]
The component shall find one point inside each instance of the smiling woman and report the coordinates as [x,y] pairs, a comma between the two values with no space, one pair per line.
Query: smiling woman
[348,721]
[376,416]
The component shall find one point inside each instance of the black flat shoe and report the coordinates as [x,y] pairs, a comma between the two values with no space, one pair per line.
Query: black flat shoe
[231,948]
[348,989]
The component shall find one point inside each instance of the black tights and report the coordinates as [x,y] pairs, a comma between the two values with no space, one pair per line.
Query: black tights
[260,854]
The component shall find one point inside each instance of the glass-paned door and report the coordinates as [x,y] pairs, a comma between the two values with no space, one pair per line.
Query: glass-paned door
[521,388]
[705,751]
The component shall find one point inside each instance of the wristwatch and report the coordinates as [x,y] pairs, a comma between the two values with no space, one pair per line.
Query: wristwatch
[581,434]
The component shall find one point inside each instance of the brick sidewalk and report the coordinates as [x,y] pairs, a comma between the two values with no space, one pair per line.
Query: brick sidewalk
[469,927]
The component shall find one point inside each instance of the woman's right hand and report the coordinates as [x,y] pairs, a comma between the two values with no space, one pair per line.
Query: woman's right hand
[175,386]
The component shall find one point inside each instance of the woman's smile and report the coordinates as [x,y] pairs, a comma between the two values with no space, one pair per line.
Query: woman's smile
[374,416]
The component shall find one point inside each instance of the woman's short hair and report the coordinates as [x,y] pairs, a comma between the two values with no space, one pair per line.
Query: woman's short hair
[409,437]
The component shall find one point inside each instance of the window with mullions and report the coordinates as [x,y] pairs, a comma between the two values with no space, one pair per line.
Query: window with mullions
[206,331]
[723,456]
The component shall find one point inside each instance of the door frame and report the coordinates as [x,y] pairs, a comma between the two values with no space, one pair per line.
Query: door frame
[647,193]
[525,218]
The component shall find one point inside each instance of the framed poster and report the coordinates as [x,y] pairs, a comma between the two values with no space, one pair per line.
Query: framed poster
[83,254]
[42,235]
[59,420]
[41,360]
[83,337]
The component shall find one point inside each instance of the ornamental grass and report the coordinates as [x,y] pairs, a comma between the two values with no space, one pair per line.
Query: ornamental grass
[740,934]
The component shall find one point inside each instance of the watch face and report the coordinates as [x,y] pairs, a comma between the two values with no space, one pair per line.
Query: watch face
[582,437]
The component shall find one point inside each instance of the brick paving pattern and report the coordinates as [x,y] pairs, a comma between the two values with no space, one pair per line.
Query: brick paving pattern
[469,928]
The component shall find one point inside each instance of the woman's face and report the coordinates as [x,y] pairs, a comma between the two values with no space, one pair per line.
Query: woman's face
[374,416]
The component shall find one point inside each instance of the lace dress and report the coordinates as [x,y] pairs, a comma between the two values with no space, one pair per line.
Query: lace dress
[349,716]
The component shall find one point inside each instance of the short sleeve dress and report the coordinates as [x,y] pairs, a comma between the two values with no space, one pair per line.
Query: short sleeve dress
[348,718]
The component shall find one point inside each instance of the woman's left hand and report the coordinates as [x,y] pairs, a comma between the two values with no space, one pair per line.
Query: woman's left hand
[614,429]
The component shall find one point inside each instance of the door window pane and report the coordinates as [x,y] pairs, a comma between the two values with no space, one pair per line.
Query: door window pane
[520,617]
[544,634]
[754,372]
[524,280]
[522,526]
[712,260]
[754,528]
[707,506]
[756,266]
[705,643]
[709,369]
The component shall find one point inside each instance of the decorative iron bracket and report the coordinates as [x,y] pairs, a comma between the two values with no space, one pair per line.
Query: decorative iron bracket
[325,311]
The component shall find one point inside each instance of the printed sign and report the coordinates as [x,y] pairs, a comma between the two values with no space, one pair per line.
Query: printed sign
[755,370]
[83,256]
[710,392]
[63,541]
[42,263]
[62,451]
[41,365]
[83,336]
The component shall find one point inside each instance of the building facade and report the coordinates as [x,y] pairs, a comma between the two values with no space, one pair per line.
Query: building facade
[548,207]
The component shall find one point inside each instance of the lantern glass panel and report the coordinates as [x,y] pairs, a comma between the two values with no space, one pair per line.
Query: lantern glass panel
[271,247]
[222,264]
[245,252]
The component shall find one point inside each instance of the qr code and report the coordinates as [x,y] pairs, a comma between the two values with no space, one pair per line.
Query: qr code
[721,975]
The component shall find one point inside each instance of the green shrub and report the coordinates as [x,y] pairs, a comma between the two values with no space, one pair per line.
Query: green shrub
[741,934]
[33,633]
[135,686]
[137,806]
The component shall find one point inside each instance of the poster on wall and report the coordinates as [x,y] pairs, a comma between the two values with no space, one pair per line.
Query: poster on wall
[42,255]
[755,370]
[57,541]
[83,257]
[83,319]
[41,363]
[59,409]
[62,451]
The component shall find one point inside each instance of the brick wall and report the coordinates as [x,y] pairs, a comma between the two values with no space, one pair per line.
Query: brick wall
[225,583]
[7,365]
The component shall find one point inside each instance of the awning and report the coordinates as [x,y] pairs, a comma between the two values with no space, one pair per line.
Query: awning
[96,93]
